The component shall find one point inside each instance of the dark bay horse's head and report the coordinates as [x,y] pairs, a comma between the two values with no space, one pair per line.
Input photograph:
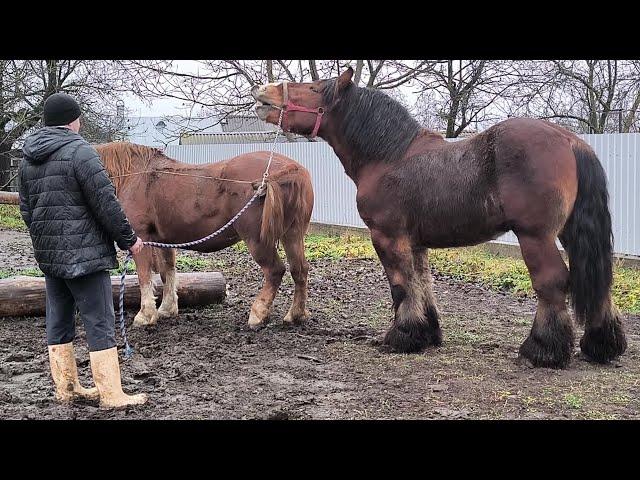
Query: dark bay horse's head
[304,104]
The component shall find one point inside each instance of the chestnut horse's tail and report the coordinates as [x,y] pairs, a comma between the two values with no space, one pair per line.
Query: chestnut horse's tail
[587,237]
[272,214]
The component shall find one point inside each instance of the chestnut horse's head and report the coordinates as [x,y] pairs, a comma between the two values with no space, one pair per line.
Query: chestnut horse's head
[304,104]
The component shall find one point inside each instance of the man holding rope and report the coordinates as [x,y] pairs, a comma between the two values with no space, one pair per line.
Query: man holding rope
[69,205]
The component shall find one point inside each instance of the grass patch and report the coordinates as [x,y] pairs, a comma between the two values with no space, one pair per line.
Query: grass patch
[474,265]
[183,264]
[10,218]
[192,264]
[29,272]
[131,269]
[573,401]
[336,247]
[329,247]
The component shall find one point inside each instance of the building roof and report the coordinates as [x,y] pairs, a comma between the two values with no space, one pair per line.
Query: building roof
[236,138]
[245,123]
[167,130]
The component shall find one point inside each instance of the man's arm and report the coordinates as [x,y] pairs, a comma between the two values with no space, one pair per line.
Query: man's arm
[101,196]
[24,199]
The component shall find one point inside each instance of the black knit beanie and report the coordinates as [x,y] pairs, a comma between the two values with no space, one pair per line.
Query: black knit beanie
[60,109]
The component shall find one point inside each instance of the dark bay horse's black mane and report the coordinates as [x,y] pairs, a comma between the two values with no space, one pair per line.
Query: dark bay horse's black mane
[376,127]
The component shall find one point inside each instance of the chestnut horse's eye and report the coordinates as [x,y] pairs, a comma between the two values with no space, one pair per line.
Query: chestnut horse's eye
[314,89]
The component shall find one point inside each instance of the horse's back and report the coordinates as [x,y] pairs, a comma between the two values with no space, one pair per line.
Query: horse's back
[247,165]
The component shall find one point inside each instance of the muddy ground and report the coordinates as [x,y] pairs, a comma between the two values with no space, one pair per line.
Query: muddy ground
[207,364]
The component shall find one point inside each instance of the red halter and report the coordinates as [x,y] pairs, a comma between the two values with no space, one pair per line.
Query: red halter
[292,107]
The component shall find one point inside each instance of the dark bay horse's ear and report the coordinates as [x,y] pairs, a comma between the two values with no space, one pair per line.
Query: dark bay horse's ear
[345,78]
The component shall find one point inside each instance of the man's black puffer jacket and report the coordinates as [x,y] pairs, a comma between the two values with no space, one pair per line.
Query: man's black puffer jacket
[70,206]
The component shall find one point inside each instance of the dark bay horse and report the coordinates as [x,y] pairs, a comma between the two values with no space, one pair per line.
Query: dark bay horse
[172,202]
[417,191]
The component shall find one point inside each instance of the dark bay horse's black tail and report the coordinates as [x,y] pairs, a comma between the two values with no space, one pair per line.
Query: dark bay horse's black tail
[587,237]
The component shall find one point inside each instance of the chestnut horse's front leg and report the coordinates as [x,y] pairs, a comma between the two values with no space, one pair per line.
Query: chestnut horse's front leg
[148,314]
[415,325]
[167,267]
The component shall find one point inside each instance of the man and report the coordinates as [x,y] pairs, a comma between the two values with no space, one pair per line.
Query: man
[74,217]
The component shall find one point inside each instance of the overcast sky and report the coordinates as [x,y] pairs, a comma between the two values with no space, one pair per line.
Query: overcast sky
[163,106]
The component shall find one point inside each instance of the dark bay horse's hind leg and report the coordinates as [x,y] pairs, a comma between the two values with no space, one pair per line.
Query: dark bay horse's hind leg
[415,325]
[273,269]
[550,343]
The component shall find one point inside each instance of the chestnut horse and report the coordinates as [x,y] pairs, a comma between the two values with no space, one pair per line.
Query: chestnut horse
[172,202]
[417,191]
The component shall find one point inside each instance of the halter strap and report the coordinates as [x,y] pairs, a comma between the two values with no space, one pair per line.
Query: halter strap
[292,107]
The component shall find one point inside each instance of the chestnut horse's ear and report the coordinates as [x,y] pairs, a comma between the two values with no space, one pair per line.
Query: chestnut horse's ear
[345,78]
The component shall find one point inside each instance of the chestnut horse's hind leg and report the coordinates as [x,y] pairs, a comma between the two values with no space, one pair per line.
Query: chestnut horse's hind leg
[273,269]
[415,325]
[550,343]
[293,242]
[148,314]
[167,267]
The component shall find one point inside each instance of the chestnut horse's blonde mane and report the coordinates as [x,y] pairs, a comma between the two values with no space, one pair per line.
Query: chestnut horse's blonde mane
[123,158]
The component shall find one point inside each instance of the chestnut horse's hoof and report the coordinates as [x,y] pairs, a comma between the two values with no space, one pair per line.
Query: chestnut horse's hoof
[143,321]
[255,323]
[168,312]
[294,319]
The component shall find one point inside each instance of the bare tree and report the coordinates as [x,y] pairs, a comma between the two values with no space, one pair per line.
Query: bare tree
[588,96]
[631,98]
[455,94]
[26,84]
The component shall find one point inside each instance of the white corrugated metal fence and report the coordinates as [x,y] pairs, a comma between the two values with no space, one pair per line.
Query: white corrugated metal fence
[335,193]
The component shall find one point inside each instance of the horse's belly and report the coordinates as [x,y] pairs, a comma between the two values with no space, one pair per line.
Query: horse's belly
[457,224]
[184,233]
[459,236]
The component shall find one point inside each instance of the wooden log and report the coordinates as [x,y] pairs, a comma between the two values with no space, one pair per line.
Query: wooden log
[25,296]
[10,198]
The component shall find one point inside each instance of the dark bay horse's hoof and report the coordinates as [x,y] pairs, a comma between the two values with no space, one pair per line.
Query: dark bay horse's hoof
[414,340]
[603,344]
[551,354]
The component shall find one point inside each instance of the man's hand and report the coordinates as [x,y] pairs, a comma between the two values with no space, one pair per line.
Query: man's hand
[137,247]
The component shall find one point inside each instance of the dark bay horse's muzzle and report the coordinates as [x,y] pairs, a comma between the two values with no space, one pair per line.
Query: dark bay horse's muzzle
[289,106]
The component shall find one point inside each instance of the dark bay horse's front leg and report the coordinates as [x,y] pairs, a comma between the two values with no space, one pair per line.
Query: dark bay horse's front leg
[415,325]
